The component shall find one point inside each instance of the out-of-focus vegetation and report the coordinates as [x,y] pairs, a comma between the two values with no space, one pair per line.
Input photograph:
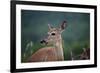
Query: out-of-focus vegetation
[34,28]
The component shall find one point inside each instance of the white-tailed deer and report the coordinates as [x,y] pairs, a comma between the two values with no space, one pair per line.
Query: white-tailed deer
[55,51]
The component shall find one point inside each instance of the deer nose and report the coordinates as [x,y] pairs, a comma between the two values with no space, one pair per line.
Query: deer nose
[42,41]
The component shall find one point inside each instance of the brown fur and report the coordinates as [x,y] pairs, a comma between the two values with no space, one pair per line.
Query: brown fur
[44,54]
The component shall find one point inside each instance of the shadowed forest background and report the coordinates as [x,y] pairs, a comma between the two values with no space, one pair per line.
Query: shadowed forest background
[34,27]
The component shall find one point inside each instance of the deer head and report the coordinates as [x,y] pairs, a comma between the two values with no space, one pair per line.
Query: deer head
[54,34]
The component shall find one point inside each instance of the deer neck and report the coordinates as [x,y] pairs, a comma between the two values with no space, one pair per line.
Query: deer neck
[59,48]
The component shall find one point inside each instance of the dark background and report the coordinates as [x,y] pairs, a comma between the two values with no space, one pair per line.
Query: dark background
[34,26]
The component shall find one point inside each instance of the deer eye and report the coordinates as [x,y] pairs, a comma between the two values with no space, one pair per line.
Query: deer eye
[53,34]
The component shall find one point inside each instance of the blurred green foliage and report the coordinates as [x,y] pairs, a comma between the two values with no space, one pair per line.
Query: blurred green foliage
[34,27]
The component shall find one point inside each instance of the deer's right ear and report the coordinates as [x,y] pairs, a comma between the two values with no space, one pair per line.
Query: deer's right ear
[49,26]
[63,25]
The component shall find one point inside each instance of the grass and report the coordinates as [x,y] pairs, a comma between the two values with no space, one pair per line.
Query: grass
[75,47]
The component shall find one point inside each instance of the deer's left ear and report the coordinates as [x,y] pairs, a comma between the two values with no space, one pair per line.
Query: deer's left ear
[50,27]
[63,25]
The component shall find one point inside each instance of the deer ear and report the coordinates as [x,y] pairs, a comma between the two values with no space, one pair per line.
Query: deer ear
[49,25]
[63,26]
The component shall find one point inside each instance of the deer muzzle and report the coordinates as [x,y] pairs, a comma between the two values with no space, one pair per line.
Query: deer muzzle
[44,42]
